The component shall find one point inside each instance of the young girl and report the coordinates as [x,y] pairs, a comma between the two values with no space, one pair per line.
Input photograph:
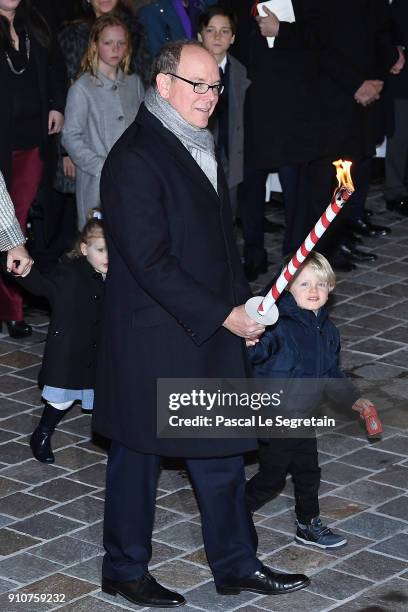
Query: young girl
[101,104]
[75,291]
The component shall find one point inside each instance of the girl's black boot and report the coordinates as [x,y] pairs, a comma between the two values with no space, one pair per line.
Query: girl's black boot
[40,441]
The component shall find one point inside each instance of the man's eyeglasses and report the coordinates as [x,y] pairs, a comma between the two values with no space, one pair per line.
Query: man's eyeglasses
[200,88]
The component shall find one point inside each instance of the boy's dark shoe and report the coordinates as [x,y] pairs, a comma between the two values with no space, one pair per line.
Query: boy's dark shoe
[265,582]
[144,591]
[317,534]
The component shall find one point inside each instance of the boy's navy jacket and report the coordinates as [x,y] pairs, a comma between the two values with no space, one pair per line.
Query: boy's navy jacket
[303,345]
[75,292]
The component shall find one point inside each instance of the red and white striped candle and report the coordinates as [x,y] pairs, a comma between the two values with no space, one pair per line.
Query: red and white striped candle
[264,310]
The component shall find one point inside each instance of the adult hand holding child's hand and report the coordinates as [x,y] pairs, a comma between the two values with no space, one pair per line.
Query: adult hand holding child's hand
[243,326]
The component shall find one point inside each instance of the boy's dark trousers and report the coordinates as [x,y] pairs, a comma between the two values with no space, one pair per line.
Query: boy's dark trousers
[279,457]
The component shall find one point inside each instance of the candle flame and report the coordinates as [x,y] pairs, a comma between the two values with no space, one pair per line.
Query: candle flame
[343,174]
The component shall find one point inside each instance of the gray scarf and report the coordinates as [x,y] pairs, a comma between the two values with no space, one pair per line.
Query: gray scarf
[199,142]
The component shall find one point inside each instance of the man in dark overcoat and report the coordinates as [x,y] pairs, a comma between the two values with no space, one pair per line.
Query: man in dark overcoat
[174,309]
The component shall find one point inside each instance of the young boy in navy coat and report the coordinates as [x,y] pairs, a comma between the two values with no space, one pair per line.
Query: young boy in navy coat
[304,343]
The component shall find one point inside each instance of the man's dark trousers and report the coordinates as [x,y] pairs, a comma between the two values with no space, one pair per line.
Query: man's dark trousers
[229,535]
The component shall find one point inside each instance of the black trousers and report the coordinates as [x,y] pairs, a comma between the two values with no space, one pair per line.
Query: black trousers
[229,534]
[278,458]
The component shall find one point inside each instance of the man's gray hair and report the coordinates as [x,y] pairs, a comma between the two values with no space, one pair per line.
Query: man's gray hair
[168,58]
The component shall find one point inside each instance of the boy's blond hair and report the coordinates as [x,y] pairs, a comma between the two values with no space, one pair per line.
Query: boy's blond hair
[320,266]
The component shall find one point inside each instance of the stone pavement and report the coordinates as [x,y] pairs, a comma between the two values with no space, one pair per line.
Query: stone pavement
[51,515]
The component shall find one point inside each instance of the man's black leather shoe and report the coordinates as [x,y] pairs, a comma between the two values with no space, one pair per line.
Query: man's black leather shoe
[353,253]
[365,228]
[40,443]
[400,206]
[18,329]
[266,582]
[144,591]
[252,271]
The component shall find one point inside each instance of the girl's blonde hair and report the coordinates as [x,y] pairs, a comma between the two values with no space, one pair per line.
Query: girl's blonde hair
[89,62]
[320,266]
[93,228]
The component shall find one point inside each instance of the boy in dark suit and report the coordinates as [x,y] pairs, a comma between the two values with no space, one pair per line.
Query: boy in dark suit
[216,30]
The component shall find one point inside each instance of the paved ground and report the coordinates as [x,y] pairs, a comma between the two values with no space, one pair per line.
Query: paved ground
[50,516]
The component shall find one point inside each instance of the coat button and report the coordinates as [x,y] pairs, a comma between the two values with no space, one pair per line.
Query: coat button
[94,345]
[114,87]
[97,321]
[97,297]
[56,333]
[121,118]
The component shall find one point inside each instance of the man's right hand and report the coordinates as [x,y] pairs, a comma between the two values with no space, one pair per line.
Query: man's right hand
[241,325]
[368,92]
[19,254]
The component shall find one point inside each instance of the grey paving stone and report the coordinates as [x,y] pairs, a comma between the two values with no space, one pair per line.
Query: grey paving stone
[182,501]
[31,396]
[336,507]
[21,423]
[397,334]
[375,346]
[377,322]
[172,480]
[19,359]
[378,370]
[13,452]
[90,604]
[341,473]
[32,372]
[374,279]
[397,289]
[162,552]
[92,534]
[66,550]
[271,539]
[57,584]
[80,426]
[375,300]
[368,492]
[337,444]
[397,546]
[9,407]
[21,505]
[86,509]
[95,475]
[299,560]
[205,597]
[45,525]
[397,508]
[10,383]
[6,520]
[33,472]
[181,575]
[164,518]
[372,566]
[24,568]
[350,311]
[390,596]
[74,458]
[351,287]
[396,444]
[337,585]
[11,542]
[299,601]
[395,475]
[62,489]
[8,486]
[371,458]
[186,536]
[372,525]
[399,311]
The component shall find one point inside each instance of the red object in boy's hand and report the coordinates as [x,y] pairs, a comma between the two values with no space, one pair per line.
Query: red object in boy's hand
[372,421]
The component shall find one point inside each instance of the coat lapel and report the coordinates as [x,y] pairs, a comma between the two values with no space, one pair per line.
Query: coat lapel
[179,152]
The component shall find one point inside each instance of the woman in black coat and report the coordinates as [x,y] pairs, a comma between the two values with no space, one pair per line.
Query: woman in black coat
[75,291]
[32,100]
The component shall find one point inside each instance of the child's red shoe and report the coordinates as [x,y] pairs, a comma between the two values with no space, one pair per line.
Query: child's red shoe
[372,422]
